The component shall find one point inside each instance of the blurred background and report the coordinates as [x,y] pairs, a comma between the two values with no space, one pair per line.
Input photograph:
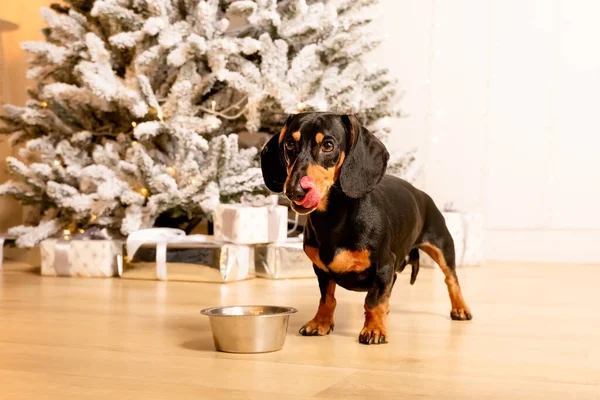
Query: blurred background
[501,101]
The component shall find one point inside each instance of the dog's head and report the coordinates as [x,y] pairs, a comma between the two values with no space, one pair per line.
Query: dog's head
[317,151]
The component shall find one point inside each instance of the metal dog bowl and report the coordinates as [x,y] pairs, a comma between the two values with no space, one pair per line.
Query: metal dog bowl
[249,329]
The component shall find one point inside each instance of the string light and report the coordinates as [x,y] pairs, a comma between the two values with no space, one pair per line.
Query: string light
[144,192]
[43,104]
[56,162]
[300,106]
[134,124]
[66,232]
[93,218]
[213,106]
[194,181]
[171,170]
[81,230]
[134,143]
[160,115]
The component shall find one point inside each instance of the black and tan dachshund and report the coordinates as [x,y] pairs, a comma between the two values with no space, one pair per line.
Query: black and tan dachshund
[363,226]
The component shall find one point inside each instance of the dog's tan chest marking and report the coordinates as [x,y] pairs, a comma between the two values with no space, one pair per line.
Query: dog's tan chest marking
[350,261]
[345,261]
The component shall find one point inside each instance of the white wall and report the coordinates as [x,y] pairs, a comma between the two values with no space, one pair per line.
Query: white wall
[503,98]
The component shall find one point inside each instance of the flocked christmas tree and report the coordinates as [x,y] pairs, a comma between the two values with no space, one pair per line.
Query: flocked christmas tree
[139,104]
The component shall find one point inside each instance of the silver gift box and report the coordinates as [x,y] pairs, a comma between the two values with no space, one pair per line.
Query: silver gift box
[194,262]
[282,260]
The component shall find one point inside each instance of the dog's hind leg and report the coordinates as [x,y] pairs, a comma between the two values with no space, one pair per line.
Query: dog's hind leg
[441,250]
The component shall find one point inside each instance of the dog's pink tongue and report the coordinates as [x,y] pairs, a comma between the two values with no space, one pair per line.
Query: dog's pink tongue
[312,197]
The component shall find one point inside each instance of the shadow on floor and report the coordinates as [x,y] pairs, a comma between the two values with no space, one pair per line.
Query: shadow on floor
[205,343]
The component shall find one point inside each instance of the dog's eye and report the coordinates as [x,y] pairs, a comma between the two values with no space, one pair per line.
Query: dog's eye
[290,146]
[327,146]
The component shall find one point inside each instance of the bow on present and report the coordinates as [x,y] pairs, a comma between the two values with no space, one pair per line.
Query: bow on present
[161,237]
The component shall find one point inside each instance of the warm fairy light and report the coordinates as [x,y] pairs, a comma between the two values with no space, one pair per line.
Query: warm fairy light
[160,115]
[134,124]
[81,230]
[56,162]
[66,232]
[43,104]
[213,105]
[144,192]
[93,218]
[300,106]
[194,180]
[133,143]
[171,170]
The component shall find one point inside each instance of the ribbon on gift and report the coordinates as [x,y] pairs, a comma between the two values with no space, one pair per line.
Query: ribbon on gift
[61,257]
[161,237]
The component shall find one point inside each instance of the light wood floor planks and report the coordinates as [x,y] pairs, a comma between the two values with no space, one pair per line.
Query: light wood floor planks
[535,335]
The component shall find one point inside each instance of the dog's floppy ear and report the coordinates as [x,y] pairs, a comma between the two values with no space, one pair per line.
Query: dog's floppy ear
[366,161]
[272,162]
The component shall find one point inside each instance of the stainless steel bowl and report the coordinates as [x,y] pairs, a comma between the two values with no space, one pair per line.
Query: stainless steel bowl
[249,329]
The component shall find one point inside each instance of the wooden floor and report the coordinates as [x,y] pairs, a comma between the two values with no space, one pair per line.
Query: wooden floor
[535,335]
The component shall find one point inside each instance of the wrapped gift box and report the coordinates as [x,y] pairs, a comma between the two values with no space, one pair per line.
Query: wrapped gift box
[193,258]
[248,224]
[80,258]
[283,260]
[468,233]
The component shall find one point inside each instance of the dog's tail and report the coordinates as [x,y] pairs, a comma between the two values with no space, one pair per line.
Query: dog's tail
[413,260]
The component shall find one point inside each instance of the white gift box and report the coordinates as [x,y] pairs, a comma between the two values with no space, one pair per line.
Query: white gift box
[247,224]
[80,258]
[169,255]
[467,231]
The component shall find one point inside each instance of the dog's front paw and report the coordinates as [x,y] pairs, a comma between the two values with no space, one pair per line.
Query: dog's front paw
[373,334]
[461,314]
[317,327]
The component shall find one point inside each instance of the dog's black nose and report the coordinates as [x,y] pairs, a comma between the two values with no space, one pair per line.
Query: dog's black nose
[297,193]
